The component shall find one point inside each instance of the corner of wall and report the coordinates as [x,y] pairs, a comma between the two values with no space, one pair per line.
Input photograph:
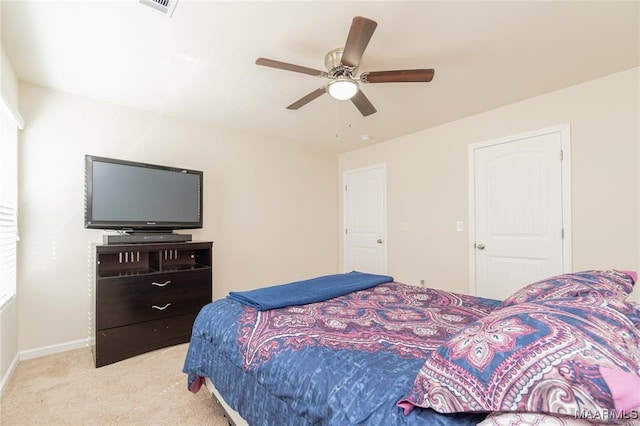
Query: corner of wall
[9,312]
[8,374]
[9,355]
[8,80]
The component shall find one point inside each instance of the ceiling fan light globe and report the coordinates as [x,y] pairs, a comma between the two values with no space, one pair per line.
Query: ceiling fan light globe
[342,89]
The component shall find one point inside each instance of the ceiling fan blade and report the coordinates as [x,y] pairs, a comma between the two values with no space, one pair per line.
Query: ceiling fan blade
[363,104]
[288,67]
[359,35]
[308,98]
[398,76]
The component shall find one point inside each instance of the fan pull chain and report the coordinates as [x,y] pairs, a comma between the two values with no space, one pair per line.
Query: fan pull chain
[337,125]
[337,117]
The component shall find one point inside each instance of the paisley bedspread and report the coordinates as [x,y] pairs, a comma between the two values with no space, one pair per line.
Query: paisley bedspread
[563,356]
[406,321]
[567,345]
[347,360]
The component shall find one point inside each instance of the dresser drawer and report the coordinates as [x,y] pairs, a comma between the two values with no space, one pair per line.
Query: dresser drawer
[120,343]
[138,298]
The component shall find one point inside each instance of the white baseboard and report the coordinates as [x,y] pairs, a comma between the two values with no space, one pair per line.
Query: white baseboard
[9,373]
[37,353]
[53,349]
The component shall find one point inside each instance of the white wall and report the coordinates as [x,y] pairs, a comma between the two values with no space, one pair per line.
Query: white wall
[427,180]
[270,207]
[264,200]
[9,312]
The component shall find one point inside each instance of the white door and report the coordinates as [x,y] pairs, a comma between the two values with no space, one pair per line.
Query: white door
[518,215]
[365,220]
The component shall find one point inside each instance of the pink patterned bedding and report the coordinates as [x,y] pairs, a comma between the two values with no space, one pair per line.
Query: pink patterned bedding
[562,351]
[419,322]
[537,419]
[575,355]
[610,284]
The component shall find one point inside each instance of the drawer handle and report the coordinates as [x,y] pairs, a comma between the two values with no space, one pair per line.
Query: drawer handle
[161,308]
[161,284]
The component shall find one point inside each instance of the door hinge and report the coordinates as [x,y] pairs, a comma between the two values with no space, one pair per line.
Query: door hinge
[345,187]
[562,233]
[561,155]
[346,231]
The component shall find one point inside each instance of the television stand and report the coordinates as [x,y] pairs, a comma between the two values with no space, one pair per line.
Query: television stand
[146,296]
[145,237]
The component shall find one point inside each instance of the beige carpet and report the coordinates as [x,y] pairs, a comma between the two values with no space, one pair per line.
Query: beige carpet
[66,389]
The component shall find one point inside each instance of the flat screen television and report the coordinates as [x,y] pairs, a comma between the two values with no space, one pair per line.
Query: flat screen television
[137,197]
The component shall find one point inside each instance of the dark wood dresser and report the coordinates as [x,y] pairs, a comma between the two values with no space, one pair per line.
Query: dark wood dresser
[147,296]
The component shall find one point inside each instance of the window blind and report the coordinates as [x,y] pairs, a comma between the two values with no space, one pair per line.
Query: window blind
[8,202]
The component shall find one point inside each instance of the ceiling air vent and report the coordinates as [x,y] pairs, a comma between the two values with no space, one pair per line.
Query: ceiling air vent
[165,7]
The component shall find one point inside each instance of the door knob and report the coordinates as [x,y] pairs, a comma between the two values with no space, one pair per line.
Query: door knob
[480,246]
[379,241]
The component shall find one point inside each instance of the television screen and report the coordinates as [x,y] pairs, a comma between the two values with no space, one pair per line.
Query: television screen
[126,195]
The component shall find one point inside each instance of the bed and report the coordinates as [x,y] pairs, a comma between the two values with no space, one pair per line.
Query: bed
[358,348]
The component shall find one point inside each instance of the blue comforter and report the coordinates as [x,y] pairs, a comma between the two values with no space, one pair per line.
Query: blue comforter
[308,291]
[344,361]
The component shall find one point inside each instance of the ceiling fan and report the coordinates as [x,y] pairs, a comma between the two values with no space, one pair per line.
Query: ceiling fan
[342,66]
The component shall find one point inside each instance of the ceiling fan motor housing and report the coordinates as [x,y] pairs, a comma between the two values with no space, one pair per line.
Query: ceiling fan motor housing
[333,63]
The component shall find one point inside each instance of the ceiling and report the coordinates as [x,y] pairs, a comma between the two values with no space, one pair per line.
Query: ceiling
[200,63]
